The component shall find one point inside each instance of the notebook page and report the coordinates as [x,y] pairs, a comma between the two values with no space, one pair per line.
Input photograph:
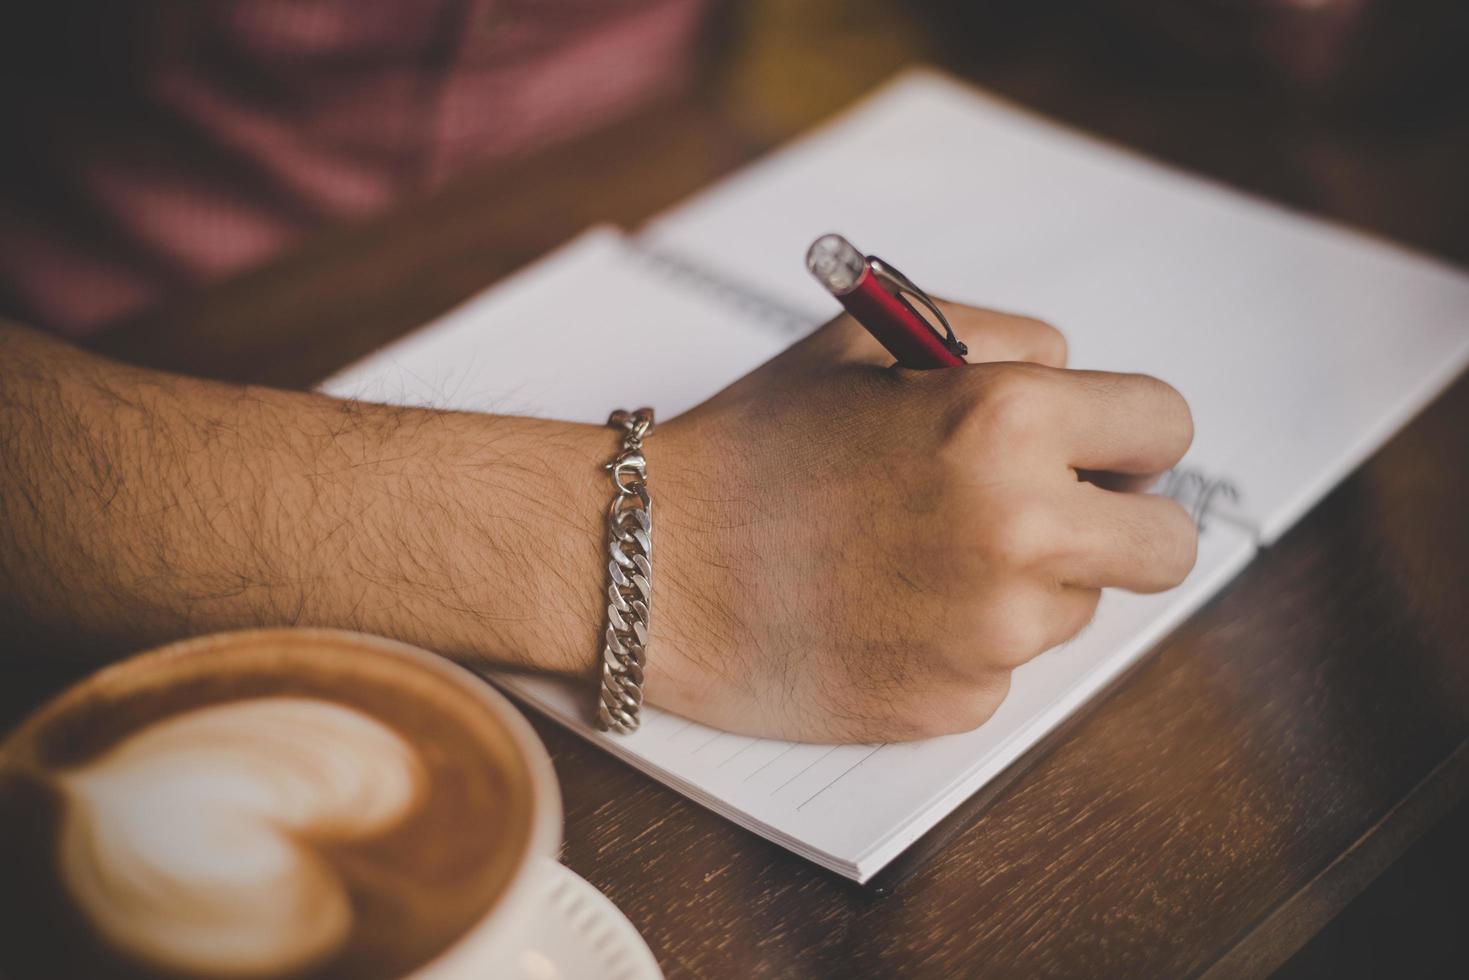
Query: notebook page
[587,329]
[849,808]
[1300,346]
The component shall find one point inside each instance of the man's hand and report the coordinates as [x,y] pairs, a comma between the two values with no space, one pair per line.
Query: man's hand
[849,551]
[844,550]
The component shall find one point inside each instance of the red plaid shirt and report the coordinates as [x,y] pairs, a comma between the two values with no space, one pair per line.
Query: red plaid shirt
[158,146]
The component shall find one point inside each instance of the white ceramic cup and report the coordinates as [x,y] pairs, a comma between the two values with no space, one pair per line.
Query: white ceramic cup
[491,947]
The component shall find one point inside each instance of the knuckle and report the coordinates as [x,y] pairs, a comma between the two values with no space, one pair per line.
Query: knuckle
[1008,403]
[1014,639]
[1020,534]
[1050,343]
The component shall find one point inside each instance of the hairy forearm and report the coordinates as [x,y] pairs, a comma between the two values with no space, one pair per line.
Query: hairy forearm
[137,507]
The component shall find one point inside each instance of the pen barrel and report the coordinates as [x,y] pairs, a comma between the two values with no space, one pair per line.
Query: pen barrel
[897,326]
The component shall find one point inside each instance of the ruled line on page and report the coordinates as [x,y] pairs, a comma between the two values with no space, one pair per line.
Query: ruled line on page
[842,775]
[709,741]
[739,752]
[804,770]
[767,762]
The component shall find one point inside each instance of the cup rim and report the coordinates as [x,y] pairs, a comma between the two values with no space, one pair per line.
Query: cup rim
[544,837]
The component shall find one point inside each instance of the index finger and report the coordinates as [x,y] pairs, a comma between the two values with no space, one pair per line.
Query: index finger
[1096,420]
[1122,423]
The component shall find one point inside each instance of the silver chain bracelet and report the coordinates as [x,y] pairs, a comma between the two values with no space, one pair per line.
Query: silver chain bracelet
[630,577]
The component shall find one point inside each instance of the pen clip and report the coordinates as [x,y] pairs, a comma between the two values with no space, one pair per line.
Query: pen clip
[903,287]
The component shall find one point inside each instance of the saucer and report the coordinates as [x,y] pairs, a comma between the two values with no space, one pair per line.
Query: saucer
[580,933]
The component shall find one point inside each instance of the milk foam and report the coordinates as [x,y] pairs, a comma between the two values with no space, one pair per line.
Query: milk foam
[190,843]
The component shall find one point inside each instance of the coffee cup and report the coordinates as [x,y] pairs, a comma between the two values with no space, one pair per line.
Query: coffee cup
[273,803]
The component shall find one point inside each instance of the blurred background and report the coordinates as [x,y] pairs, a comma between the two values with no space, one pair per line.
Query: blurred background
[1355,107]
[155,147]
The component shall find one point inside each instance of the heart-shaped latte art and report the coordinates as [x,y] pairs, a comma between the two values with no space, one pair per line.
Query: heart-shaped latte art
[191,843]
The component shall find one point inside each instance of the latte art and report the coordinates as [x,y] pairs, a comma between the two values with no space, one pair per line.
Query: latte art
[191,843]
[272,803]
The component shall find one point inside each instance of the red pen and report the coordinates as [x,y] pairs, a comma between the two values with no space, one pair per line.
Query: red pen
[877,296]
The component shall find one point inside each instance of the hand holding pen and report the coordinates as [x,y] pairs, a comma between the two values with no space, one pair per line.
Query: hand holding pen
[864,554]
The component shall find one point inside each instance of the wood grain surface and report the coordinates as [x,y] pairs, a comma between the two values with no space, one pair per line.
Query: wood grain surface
[1208,815]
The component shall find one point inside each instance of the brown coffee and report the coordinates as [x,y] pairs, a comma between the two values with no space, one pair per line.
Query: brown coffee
[272,803]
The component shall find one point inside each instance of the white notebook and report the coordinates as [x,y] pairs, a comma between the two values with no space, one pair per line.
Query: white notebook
[1300,346]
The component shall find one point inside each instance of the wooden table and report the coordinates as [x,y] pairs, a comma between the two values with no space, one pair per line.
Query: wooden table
[1214,810]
